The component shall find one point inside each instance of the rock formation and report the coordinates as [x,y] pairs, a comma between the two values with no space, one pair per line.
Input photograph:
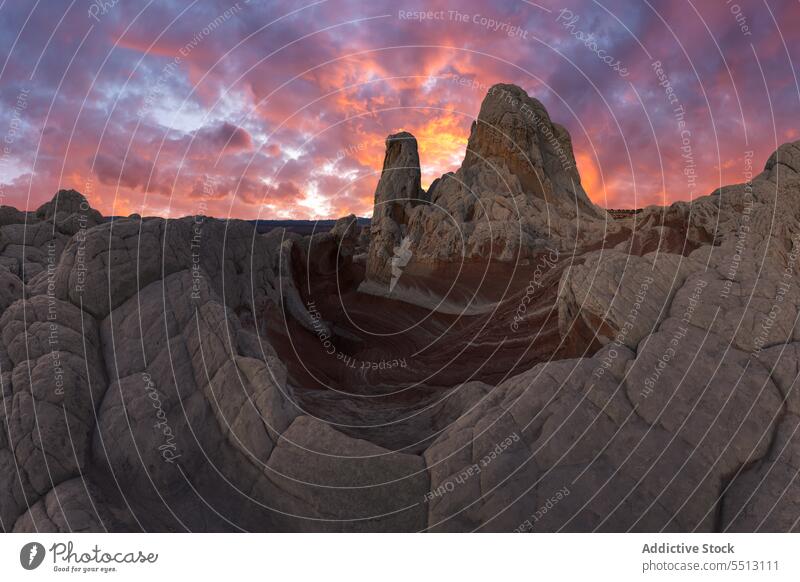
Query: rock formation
[517,191]
[194,374]
[398,192]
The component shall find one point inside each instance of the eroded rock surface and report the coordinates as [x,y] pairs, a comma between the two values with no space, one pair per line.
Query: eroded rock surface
[534,366]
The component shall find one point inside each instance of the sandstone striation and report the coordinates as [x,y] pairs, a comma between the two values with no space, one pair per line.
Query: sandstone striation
[517,191]
[532,369]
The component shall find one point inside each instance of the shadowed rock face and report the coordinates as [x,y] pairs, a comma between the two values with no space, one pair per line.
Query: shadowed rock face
[636,376]
[68,212]
[517,191]
[514,131]
[398,192]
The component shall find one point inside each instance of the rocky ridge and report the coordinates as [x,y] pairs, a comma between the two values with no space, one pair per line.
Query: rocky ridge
[517,190]
[642,378]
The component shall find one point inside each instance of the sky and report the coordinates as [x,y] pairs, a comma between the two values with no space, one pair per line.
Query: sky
[269,109]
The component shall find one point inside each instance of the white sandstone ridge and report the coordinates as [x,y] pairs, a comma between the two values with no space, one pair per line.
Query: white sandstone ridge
[517,190]
[688,419]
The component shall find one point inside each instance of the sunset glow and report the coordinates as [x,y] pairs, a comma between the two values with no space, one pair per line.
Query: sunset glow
[282,110]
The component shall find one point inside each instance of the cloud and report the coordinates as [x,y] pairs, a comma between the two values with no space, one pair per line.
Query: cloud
[129,171]
[226,136]
[267,110]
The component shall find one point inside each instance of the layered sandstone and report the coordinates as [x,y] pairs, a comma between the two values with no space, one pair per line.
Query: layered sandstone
[517,191]
[645,381]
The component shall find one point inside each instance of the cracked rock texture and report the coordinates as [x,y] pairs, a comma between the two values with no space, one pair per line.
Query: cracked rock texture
[195,375]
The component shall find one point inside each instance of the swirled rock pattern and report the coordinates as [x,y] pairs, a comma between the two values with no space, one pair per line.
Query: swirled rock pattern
[537,366]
